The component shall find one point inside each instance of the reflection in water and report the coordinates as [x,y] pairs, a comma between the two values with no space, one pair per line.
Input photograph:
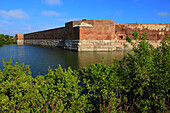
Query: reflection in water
[86,58]
[40,58]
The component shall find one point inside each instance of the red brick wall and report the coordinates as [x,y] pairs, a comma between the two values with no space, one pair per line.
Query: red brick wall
[64,33]
[101,30]
[51,34]
[19,36]
[71,33]
[153,31]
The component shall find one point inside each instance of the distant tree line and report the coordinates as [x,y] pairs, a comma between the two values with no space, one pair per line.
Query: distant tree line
[7,39]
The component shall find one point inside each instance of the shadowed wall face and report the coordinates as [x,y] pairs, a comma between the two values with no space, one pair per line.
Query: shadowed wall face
[52,34]
[71,33]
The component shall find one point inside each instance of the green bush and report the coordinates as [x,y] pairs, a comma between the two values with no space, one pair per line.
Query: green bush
[58,91]
[6,39]
[140,82]
[145,76]
[103,86]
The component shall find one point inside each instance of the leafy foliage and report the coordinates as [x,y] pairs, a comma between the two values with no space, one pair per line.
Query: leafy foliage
[140,82]
[102,85]
[58,91]
[145,75]
[6,39]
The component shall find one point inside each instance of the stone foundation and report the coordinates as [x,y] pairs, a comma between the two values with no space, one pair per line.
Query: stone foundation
[97,45]
[67,44]
[20,42]
[52,43]
[108,45]
[87,45]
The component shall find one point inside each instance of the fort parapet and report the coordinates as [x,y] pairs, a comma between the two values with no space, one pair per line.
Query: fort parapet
[96,35]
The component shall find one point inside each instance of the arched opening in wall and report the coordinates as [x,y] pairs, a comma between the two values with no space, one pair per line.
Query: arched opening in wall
[121,37]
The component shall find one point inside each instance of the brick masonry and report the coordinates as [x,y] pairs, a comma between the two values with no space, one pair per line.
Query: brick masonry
[95,35]
[20,39]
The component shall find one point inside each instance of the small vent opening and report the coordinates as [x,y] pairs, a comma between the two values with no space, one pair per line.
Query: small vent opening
[121,37]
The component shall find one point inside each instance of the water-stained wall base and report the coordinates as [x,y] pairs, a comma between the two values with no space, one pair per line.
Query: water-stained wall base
[87,45]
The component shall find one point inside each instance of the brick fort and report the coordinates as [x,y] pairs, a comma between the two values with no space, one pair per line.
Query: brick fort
[94,35]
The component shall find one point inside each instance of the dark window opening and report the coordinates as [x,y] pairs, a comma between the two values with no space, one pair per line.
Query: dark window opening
[121,37]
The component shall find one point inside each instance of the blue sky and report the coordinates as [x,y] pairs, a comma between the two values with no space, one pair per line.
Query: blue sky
[24,16]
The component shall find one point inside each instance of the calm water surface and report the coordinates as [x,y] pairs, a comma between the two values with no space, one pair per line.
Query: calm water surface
[39,58]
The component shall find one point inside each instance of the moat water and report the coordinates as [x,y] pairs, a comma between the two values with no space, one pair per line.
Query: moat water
[40,58]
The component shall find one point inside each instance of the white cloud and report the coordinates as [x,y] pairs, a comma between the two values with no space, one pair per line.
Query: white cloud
[163,14]
[50,13]
[53,2]
[17,13]
[6,22]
